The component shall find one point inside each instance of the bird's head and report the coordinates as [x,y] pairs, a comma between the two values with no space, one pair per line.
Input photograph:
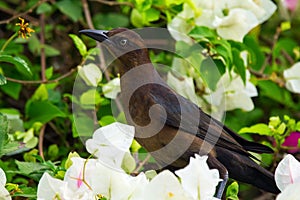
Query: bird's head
[124,44]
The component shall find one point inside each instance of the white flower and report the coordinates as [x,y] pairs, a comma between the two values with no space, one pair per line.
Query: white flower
[232,93]
[110,143]
[4,194]
[90,73]
[50,188]
[112,88]
[198,180]
[232,19]
[236,24]
[287,178]
[291,192]
[164,186]
[292,77]
[287,172]
[183,86]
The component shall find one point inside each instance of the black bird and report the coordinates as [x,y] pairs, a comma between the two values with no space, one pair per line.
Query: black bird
[171,127]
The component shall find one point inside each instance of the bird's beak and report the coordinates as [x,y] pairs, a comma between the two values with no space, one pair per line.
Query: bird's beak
[98,35]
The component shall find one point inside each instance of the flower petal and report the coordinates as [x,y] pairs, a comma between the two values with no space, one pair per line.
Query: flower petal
[287,172]
[236,25]
[291,192]
[198,180]
[109,143]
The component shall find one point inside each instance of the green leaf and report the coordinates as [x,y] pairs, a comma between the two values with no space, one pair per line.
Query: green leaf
[49,73]
[256,56]
[3,132]
[261,129]
[136,18]
[143,5]
[211,73]
[53,151]
[232,191]
[239,64]
[106,120]
[20,64]
[110,20]
[44,8]
[90,98]
[298,126]
[151,15]
[285,25]
[200,32]
[41,93]
[12,89]
[2,80]
[50,51]
[128,163]
[27,168]
[42,111]
[79,45]
[71,8]
[276,93]
[82,126]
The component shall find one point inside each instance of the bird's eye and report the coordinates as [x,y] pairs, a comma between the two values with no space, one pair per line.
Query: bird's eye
[123,42]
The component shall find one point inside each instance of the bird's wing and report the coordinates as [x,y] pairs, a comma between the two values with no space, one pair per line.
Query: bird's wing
[187,116]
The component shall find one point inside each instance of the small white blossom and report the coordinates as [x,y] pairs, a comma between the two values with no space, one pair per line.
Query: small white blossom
[198,180]
[4,194]
[287,178]
[110,143]
[232,93]
[232,19]
[112,88]
[292,77]
[90,73]
[165,186]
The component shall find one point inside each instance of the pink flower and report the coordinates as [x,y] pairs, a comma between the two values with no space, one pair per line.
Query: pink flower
[291,4]
[292,141]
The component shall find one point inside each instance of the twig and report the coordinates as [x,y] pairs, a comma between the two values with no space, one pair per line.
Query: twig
[288,57]
[114,3]
[41,141]
[141,164]
[6,21]
[269,57]
[42,41]
[41,81]
[87,15]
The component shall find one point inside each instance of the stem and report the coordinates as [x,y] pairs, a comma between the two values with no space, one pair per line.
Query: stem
[42,41]
[8,41]
[41,141]
[41,81]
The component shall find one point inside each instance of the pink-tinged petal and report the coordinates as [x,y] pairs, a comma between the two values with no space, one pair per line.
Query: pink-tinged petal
[291,4]
[79,180]
[292,141]
[287,172]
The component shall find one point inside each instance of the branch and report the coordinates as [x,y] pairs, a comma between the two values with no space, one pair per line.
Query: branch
[141,164]
[269,57]
[101,56]
[16,15]
[41,141]
[42,41]
[43,81]
[114,3]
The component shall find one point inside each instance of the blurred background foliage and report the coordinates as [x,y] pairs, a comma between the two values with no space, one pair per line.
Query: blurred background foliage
[37,74]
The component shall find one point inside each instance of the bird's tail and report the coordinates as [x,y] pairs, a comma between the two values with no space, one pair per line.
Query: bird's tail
[244,169]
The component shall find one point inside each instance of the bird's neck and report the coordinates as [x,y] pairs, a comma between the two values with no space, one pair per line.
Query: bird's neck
[139,76]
